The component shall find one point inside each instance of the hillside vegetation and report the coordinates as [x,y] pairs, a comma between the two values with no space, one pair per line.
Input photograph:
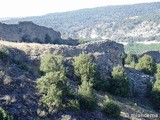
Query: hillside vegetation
[141,48]
[137,22]
[36,83]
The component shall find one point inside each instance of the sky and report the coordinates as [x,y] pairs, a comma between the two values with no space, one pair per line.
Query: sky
[23,8]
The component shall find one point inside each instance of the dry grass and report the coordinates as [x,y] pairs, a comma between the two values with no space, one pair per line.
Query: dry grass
[29,48]
[131,109]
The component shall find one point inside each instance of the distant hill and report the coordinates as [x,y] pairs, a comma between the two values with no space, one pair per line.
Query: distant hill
[136,22]
[30,32]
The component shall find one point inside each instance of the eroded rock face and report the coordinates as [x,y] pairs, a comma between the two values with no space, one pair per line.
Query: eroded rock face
[28,32]
[18,93]
[105,54]
[140,83]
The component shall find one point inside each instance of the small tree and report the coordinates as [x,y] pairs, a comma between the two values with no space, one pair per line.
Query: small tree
[129,58]
[53,85]
[119,83]
[87,98]
[86,70]
[146,64]
[83,67]
[111,109]
[51,63]
[4,54]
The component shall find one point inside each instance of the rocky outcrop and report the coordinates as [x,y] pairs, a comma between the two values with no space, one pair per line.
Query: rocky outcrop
[140,83]
[17,75]
[28,32]
[105,54]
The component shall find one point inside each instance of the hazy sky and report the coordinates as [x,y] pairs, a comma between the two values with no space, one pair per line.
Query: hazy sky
[21,8]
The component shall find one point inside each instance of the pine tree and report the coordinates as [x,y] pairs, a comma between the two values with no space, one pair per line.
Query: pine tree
[146,64]
[83,67]
[51,62]
[129,58]
[119,82]
[53,85]
[87,98]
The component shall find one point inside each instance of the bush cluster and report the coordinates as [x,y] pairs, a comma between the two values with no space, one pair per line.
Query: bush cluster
[4,115]
[120,85]
[110,108]
[146,64]
[87,99]
[53,85]
[56,93]
[156,90]
[86,70]
[3,54]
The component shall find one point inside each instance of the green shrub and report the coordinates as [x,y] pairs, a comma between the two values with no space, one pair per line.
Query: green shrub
[157,75]
[53,85]
[73,105]
[156,96]
[156,90]
[84,67]
[86,70]
[66,117]
[129,58]
[51,62]
[111,109]
[4,115]
[146,64]
[119,83]
[87,98]
[3,54]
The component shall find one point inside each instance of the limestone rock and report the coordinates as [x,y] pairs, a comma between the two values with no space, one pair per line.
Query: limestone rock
[27,32]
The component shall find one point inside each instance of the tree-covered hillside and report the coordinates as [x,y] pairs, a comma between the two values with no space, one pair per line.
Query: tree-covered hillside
[119,23]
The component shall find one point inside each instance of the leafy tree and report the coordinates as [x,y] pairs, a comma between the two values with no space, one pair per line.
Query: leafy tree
[146,64]
[119,83]
[87,98]
[4,115]
[53,85]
